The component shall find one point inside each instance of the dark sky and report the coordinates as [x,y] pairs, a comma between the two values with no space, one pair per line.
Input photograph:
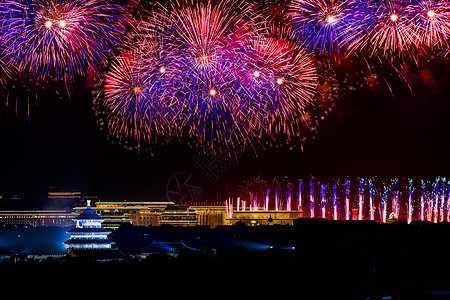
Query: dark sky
[368,132]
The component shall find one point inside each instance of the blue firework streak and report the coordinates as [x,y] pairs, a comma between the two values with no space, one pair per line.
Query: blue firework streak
[59,37]
[330,24]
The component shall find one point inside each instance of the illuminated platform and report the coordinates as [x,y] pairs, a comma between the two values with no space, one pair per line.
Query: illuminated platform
[269,217]
[37,218]
[151,214]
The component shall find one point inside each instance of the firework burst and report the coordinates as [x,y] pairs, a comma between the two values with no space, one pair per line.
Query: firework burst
[59,37]
[136,100]
[205,44]
[210,72]
[330,24]
[393,36]
[281,80]
[431,23]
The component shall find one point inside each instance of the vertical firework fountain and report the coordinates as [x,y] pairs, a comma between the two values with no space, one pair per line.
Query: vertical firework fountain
[311,199]
[406,199]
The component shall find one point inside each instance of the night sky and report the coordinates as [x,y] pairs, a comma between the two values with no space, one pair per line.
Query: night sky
[368,131]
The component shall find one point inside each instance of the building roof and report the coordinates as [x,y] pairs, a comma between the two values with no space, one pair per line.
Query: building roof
[88,214]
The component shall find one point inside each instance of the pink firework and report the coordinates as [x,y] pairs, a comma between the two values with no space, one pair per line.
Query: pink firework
[393,35]
[281,77]
[135,102]
[431,21]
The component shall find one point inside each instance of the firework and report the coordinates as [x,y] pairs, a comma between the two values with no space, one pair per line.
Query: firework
[281,77]
[393,35]
[206,43]
[431,22]
[136,102]
[59,37]
[330,24]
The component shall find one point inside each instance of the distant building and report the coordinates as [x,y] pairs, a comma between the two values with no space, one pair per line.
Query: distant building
[63,194]
[63,197]
[270,217]
[88,237]
[151,214]
[178,215]
[210,215]
[37,218]
[124,212]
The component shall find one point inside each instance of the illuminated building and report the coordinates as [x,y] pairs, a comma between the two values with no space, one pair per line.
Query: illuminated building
[64,195]
[37,218]
[63,198]
[270,217]
[88,233]
[210,215]
[149,214]
[124,212]
[178,215]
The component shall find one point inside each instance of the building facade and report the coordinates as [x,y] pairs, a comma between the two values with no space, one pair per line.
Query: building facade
[270,217]
[151,214]
[178,215]
[37,218]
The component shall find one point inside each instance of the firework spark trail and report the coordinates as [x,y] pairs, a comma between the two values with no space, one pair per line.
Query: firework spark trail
[383,210]
[430,21]
[448,203]
[361,199]
[329,24]
[311,199]
[422,201]
[299,201]
[371,198]
[409,207]
[335,202]
[136,108]
[204,50]
[323,200]
[393,35]
[395,198]
[228,83]
[59,37]
[281,79]
[347,199]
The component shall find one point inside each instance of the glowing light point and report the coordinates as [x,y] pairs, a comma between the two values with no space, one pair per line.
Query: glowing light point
[204,58]
[48,24]
[280,81]
[431,13]
[256,73]
[212,92]
[331,19]
[62,23]
[162,70]
[137,90]
[393,17]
